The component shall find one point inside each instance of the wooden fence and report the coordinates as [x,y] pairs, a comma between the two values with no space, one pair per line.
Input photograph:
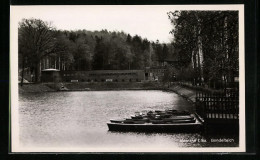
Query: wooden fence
[218,106]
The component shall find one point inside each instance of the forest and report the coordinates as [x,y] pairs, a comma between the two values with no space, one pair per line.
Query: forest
[204,45]
[86,50]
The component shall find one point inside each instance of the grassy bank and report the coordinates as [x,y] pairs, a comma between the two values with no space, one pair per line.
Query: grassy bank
[34,88]
[187,93]
[86,86]
[111,86]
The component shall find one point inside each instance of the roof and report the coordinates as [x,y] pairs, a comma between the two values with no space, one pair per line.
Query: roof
[50,69]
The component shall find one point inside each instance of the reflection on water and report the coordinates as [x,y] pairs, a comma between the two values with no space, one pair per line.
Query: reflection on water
[79,119]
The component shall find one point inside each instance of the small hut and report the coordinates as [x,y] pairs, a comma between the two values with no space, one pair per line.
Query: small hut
[50,75]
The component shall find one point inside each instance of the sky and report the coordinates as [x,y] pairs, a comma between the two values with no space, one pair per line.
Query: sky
[149,22]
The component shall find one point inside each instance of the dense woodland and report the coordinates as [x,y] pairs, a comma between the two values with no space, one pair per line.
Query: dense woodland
[86,50]
[204,45]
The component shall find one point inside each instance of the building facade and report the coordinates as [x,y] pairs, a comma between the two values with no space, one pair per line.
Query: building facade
[103,76]
[154,73]
[53,70]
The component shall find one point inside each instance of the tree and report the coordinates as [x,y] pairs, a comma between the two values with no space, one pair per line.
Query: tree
[82,54]
[36,40]
[64,50]
[120,53]
[147,53]
[98,57]
[165,52]
[207,38]
[129,39]
[137,50]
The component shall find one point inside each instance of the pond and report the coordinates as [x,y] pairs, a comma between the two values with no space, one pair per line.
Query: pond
[76,121]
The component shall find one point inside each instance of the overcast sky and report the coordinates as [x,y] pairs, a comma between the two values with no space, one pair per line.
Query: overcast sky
[149,22]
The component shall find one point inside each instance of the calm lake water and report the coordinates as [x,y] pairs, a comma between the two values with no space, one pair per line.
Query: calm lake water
[78,120]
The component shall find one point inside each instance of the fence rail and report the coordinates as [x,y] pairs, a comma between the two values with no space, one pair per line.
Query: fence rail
[218,105]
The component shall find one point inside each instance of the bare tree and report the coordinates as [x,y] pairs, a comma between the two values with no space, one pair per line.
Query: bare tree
[36,40]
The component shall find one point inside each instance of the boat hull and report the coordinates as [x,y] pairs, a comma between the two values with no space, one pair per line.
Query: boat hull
[148,127]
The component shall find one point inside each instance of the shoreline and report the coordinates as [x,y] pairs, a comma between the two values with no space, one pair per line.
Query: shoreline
[188,93]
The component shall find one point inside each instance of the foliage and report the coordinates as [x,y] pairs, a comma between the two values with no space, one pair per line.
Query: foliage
[36,40]
[85,50]
[209,41]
